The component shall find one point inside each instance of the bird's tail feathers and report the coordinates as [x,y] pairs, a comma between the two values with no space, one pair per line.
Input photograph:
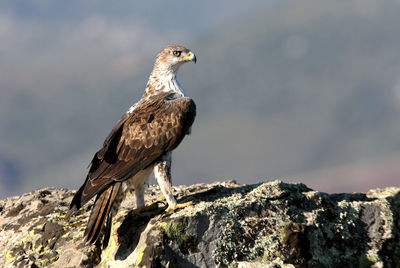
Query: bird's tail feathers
[100,211]
[107,231]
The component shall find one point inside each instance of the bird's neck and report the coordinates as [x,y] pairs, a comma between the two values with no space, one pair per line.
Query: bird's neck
[161,81]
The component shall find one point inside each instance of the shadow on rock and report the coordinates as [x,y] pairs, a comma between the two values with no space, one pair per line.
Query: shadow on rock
[134,224]
[130,230]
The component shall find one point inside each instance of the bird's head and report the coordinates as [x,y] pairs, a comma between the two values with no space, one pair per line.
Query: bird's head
[173,56]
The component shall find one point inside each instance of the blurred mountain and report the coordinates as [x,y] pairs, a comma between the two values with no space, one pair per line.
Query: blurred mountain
[282,89]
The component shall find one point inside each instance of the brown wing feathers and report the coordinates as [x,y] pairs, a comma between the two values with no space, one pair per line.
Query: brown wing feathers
[156,127]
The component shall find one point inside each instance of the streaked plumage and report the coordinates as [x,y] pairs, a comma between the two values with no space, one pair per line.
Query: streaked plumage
[140,142]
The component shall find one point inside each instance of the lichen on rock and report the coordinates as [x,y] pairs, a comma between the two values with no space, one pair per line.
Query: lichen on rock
[271,224]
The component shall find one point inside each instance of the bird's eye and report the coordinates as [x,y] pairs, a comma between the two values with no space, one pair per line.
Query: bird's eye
[177,53]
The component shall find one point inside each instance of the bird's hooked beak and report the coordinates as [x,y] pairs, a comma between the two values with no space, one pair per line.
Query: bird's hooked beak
[189,57]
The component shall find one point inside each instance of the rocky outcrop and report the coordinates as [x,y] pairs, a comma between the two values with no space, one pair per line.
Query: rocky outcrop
[271,224]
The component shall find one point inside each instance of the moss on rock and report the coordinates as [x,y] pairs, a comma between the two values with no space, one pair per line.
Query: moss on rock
[272,224]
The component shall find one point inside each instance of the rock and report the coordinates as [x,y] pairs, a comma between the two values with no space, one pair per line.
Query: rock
[271,224]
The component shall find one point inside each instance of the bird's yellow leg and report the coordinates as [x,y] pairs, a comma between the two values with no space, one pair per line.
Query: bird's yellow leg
[148,208]
[170,209]
[162,173]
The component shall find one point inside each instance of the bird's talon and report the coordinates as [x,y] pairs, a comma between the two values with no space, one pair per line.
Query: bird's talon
[171,209]
[140,210]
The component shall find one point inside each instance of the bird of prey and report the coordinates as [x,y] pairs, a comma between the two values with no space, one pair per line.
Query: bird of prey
[141,142]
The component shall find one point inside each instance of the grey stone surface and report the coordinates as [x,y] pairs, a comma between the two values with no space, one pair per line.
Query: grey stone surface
[271,224]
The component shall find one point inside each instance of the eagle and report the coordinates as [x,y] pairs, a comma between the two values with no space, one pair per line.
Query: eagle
[141,142]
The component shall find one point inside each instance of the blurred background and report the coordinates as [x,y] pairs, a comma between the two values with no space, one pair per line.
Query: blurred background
[303,90]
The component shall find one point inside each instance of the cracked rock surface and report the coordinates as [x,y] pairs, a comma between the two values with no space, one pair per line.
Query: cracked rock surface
[271,224]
